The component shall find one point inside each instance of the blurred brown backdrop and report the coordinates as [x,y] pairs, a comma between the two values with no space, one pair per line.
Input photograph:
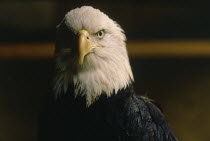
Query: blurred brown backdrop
[168,43]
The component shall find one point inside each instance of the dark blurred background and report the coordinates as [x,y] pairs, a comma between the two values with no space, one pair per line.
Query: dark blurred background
[169,49]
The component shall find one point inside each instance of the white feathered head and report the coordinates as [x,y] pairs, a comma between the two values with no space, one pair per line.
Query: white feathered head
[91,55]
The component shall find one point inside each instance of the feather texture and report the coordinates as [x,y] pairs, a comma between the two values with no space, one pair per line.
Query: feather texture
[121,117]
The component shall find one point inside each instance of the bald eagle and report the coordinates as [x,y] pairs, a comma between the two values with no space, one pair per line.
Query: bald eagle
[93,86]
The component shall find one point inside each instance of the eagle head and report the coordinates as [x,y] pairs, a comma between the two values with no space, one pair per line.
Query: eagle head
[91,55]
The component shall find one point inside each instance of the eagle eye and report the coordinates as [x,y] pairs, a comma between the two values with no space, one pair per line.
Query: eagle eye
[100,34]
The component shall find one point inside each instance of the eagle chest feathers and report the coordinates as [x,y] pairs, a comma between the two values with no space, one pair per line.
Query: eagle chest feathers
[93,97]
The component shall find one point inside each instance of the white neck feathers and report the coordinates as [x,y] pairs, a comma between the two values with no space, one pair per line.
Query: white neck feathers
[97,76]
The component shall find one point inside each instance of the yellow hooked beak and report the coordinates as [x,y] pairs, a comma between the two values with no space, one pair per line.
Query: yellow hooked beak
[84,45]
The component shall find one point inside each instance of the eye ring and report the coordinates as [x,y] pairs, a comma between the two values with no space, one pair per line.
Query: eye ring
[100,34]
